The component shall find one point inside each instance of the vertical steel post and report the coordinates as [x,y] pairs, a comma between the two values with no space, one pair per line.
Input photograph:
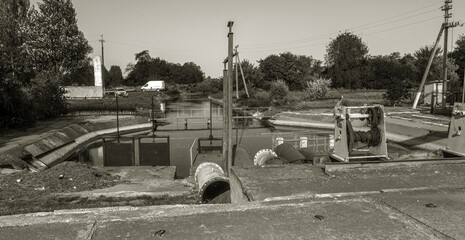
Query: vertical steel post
[225,116]
[211,122]
[117,117]
[229,102]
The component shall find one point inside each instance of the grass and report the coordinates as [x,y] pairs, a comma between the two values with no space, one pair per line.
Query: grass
[134,101]
[351,98]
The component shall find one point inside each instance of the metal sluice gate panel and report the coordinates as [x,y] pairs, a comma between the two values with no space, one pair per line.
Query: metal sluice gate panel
[154,151]
[118,151]
[149,151]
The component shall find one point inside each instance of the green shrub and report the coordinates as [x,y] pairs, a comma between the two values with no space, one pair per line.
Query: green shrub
[279,91]
[257,98]
[397,90]
[317,88]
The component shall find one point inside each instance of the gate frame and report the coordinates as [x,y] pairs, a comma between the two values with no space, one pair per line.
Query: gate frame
[119,138]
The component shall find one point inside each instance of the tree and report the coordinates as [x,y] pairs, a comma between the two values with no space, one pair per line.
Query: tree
[422,56]
[13,58]
[115,76]
[459,55]
[147,68]
[345,58]
[82,76]
[293,69]
[253,76]
[15,74]
[55,41]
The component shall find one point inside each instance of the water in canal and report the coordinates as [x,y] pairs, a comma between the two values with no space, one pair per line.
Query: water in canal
[252,137]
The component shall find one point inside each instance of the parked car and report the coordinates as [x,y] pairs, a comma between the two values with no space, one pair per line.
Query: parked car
[121,92]
[153,86]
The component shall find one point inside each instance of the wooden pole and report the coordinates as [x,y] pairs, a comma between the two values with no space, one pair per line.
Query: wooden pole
[242,73]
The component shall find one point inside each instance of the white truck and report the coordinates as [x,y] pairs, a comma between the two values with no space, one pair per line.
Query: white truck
[156,85]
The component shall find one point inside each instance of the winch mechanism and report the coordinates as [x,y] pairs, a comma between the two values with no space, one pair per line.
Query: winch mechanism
[359,145]
[456,140]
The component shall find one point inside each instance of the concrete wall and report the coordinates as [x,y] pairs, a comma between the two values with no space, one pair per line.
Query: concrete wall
[237,193]
[84,92]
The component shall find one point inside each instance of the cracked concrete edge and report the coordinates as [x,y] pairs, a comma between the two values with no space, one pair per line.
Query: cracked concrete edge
[128,213]
[125,194]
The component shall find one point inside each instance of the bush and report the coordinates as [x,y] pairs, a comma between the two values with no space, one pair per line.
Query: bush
[397,90]
[48,95]
[279,91]
[258,98]
[317,88]
[16,105]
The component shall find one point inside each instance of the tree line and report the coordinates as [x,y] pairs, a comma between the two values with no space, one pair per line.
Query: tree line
[39,49]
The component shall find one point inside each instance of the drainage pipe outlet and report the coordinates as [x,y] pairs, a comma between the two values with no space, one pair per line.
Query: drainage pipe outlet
[213,184]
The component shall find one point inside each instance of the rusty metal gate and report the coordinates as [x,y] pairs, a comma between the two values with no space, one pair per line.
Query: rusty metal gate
[118,151]
[154,151]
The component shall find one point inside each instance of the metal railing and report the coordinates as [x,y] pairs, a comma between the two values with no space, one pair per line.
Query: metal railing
[317,141]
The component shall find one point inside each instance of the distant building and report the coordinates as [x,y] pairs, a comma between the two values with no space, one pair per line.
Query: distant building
[433,92]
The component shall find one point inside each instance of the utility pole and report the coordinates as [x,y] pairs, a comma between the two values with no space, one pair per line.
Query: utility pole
[447,15]
[447,25]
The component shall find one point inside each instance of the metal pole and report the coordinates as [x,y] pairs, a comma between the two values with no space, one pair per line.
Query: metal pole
[228,104]
[211,122]
[117,116]
[225,116]
[237,82]
[153,118]
[428,66]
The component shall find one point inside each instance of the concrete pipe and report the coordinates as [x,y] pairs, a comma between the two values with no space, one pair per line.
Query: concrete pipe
[241,156]
[288,152]
[263,156]
[213,184]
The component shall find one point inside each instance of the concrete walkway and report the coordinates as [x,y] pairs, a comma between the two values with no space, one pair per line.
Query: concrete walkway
[412,215]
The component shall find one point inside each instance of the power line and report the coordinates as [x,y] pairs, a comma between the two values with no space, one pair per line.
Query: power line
[268,47]
[318,37]
[405,25]
[265,49]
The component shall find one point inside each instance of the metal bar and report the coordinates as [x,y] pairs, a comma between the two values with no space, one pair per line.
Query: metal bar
[369,156]
[359,107]
[358,115]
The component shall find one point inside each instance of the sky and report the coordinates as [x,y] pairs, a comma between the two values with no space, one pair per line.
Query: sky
[182,31]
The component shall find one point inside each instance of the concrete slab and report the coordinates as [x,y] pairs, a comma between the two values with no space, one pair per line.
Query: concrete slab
[141,181]
[442,210]
[358,218]
[304,180]
[57,231]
